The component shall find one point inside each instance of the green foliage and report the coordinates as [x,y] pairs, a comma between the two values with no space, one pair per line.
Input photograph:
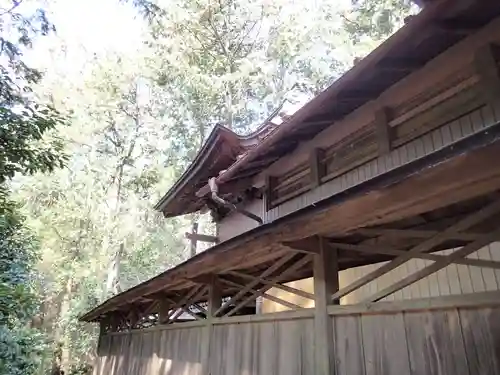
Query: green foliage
[21,348]
[23,119]
[375,20]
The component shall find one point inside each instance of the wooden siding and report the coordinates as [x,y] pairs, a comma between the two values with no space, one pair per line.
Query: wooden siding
[360,170]
[451,339]
[473,122]
[176,351]
[452,280]
[236,223]
[435,96]
[422,92]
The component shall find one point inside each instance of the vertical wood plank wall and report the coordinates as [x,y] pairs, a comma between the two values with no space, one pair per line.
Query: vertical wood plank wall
[452,280]
[448,341]
[173,352]
[443,136]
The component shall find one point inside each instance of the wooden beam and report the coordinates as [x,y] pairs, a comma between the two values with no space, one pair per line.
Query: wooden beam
[269,191]
[383,130]
[413,233]
[326,282]
[374,249]
[193,295]
[402,65]
[486,66]
[194,241]
[201,237]
[256,293]
[317,166]
[289,271]
[423,247]
[438,265]
[285,288]
[247,288]
[453,28]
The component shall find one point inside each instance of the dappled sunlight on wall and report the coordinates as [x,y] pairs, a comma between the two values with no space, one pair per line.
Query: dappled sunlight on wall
[166,352]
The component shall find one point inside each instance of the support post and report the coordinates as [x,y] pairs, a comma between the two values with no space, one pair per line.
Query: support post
[326,282]
[317,166]
[103,326]
[485,63]
[214,303]
[163,312]
[194,238]
[269,192]
[383,130]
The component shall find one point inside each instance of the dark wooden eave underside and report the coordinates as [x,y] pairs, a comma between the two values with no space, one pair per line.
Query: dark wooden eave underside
[449,184]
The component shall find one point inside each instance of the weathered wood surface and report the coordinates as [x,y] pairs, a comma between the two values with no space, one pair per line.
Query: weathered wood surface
[445,341]
[454,279]
[173,352]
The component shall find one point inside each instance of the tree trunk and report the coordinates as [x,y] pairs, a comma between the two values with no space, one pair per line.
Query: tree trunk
[113,285]
[61,357]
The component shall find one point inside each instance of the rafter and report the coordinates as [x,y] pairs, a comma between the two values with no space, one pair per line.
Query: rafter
[261,294]
[247,288]
[197,292]
[285,288]
[371,249]
[425,246]
[293,268]
[438,265]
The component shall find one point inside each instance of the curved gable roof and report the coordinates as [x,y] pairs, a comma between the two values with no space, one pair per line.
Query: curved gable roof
[221,150]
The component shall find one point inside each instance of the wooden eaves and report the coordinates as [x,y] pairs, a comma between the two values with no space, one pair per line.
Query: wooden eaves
[221,149]
[448,177]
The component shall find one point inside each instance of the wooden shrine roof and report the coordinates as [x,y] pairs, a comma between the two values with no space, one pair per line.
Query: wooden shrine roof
[220,151]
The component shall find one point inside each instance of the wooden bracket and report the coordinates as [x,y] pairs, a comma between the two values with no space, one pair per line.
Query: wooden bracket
[383,130]
[317,166]
[269,191]
[424,246]
[201,237]
[486,66]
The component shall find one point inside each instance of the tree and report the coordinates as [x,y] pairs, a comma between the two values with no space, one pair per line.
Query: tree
[24,121]
[370,22]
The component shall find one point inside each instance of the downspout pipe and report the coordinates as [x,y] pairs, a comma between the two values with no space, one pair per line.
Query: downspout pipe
[214,189]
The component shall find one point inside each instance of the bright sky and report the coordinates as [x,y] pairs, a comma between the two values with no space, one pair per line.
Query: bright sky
[86,28]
